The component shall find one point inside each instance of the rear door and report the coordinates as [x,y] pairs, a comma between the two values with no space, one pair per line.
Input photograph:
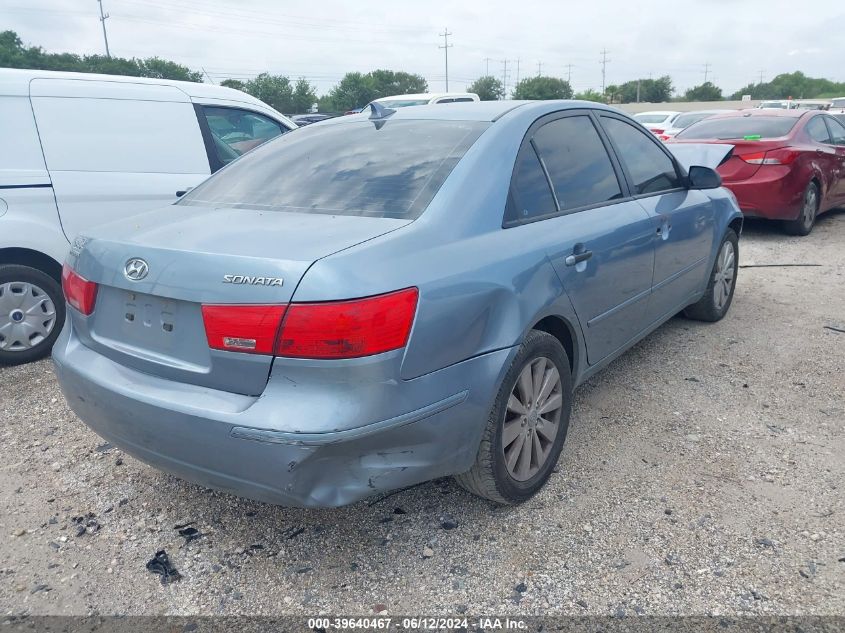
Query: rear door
[837,138]
[682,219]
[114,149]
[568,197]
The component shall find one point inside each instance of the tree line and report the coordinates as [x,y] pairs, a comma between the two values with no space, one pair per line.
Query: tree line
[357,89]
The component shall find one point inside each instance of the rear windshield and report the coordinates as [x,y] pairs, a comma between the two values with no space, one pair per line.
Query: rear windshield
[389,169]
[740,127]
[651,118]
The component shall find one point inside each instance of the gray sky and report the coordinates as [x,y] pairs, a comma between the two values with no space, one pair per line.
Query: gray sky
[324,39]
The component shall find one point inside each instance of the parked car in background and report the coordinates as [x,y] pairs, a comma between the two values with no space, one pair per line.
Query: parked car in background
[658,120]
[812,104]
[777,104]
[326,325]
[402,101]
[83,149]
[837,106]
[787,165]
[684,120]
[308,119]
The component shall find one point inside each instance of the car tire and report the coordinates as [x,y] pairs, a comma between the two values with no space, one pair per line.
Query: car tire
[32,313]
[716,301]
[508,474]
[806,219]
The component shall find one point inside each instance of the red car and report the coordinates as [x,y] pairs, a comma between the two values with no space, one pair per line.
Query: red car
[786,165]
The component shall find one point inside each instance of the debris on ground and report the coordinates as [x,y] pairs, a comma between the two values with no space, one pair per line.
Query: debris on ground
[160,564]
[188,532]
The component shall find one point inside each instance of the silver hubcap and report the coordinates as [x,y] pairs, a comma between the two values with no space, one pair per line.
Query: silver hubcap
[810,206]
[724,275]
[532,418]
[27,316]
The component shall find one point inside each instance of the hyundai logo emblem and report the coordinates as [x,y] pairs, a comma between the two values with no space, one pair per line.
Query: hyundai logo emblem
[136,269]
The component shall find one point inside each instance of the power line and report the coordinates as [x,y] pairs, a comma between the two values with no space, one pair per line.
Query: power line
[103,18]
[603,63]
[446,46]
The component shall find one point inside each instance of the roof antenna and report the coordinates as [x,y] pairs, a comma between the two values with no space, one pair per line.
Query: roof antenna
[379,111]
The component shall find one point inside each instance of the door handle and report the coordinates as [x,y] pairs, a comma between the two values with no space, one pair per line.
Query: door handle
[577,258]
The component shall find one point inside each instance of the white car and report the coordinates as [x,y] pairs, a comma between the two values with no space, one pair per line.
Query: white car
[402,101]
[83,149]
[684,120]
[837,105]
[656,120]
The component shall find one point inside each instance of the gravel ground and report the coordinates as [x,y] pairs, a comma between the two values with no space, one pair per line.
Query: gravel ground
[703,474]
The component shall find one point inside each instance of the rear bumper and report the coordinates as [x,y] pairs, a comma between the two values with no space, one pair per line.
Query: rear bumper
[772,193]
[231,442]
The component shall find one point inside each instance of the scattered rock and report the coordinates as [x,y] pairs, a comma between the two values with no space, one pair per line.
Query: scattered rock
[427,552]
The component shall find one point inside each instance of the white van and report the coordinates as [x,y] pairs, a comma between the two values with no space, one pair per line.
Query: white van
[77,150]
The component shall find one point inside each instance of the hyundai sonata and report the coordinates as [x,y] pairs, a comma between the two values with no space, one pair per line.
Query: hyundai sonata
[385,298]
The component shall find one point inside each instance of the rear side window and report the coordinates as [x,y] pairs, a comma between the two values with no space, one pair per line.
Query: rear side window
[650,169]
[235,131]
[685,120]
[740,126]
[837,131]
[577,161]
[818,130]
[532,195]
[379,169]
[651,118]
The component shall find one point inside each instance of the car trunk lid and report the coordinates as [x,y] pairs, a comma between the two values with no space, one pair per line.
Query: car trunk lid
[152,284]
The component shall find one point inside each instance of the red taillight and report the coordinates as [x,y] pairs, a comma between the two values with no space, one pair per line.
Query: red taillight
[242,328]
[772,157]
[657,130]
[79,292]
[663,137]
[348,329]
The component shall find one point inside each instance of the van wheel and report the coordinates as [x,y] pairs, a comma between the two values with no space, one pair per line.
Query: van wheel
[527,424]
[809,210]
[720,289]
[32,312]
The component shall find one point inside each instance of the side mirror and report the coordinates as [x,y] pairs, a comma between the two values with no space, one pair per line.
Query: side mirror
[704,178]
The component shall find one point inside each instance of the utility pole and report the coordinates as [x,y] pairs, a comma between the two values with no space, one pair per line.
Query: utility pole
[539,68]
[638,90]
[103,17]
[603,62]
[487,66]
[706,71]
[446,46]
[517,71]
[505,77]
[569,73]
[761,75]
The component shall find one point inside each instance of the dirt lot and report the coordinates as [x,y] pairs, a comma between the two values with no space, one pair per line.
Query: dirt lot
[704,473]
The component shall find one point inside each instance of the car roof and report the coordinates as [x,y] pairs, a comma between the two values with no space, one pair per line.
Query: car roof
[425,95]
[475,110]
[14,81]
[794,113]
[667,112]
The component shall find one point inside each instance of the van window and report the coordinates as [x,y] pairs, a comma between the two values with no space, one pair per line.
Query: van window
[120,135]
[235,131]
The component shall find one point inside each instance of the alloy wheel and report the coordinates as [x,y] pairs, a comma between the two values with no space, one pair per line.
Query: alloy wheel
[808,213]
[27,316]
[532,418]
[724,275]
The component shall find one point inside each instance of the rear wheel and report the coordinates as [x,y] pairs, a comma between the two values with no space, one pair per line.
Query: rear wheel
[32,312]
[527,425]
[809,209]
[720,289]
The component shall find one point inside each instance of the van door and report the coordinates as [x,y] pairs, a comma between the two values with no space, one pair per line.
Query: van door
[114,149]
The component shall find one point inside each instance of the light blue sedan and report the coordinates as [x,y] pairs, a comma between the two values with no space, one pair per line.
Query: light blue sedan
[386,298]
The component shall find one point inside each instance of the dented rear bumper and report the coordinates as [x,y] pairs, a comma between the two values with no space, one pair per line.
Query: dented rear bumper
[391,434]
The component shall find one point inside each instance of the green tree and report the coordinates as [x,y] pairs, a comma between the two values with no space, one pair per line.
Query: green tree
[796,85]
[488,88]
[237,84]
[274,90]
[542,88]
[590,95]
[388,82]
[303,96]
[705,92]
[356,90]
[649,90]
[158,68]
